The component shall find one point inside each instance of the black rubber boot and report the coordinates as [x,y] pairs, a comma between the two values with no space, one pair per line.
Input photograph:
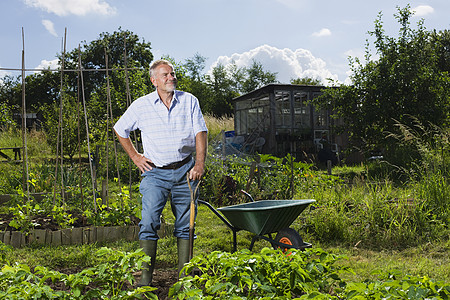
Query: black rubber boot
[183,254]
[149,247]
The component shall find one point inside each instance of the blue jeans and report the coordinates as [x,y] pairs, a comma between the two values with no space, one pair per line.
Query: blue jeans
[155,188]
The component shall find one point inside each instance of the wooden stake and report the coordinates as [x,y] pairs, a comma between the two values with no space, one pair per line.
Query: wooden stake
[128,104]
[108,98]
[80,169]
[87,129]
[25,176]
[59,138]
[63,58]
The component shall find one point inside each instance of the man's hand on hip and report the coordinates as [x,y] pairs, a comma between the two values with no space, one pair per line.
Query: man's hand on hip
[142,162]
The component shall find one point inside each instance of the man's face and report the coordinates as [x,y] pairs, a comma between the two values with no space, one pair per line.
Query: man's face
[164,79]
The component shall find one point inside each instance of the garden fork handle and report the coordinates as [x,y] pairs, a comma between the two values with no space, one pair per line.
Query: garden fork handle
[192,216]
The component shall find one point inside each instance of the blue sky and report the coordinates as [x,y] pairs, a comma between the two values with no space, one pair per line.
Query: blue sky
[295,38]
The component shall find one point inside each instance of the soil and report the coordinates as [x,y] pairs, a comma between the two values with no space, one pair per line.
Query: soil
[163,279]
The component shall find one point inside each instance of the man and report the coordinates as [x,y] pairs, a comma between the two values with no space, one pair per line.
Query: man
[172,128]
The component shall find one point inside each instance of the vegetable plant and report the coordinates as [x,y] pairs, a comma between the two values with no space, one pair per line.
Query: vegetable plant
[272,273]
[111,279]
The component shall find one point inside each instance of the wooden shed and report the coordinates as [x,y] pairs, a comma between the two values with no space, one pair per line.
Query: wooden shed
[278,119]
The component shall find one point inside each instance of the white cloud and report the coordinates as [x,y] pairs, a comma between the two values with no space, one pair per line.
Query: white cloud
[288,64]
[422,10]
[48,64]
[50,27]
[322,32]
[73,7]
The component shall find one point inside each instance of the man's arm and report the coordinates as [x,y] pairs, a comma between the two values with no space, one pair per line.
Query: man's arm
[138,159]
[201,148]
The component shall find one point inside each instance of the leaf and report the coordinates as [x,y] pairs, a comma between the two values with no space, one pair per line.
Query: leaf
[76,292]
[217,287]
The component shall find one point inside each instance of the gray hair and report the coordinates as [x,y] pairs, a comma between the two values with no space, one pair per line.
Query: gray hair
[156,64]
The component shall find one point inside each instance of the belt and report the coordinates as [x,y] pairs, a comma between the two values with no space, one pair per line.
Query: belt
[174,165]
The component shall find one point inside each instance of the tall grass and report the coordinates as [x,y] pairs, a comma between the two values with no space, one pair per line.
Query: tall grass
[216,125]
[11,173]
[374,216]
[37,146]
[374,212]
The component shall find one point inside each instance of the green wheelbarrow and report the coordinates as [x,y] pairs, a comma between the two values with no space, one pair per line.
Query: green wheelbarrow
[264,218]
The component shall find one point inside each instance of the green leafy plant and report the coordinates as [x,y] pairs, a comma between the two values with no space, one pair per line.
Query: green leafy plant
[107,280]
[118,213]
[392,285]
[23,213]
[271,273]
[111,279]
[3,253]
[18,282]
[63,218]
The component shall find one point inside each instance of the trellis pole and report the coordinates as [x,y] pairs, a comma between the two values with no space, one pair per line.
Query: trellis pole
[61,115]
[115,144]
[59,139]
[108,103]
[128,104]
[87,128]
[80,169]
[25,176]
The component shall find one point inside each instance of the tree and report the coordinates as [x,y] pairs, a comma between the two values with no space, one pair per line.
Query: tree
[221,92]
[69,126]
[406,81]
[441,40]
[138,55]
[228,82]
[257,77]
[306,81]
[195,66]
[193,80]
[42,88]
[6,118]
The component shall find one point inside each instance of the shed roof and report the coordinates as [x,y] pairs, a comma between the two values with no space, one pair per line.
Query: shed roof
[271,88]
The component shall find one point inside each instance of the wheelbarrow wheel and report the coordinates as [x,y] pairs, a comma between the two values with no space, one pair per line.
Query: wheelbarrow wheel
[288,236]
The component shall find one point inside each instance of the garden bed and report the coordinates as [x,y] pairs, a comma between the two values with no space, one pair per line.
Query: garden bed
[48,234]
[32,224]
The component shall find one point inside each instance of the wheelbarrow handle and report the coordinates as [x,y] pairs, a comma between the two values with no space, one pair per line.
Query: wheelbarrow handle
[248,195]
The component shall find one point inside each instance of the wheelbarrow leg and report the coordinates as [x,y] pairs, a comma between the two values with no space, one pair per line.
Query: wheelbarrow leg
[234,240]
[258,237]
[253,242]
[225,221]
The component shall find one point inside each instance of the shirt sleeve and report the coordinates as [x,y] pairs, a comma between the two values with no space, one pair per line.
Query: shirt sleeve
[128,122]
[197,117]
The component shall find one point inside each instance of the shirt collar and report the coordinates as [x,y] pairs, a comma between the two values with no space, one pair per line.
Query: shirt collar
[174,98]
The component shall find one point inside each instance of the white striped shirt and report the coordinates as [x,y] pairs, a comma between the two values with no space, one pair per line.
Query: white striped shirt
[168,135]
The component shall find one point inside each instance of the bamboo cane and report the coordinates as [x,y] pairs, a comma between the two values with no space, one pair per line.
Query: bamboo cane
[25,176]
[87,128]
